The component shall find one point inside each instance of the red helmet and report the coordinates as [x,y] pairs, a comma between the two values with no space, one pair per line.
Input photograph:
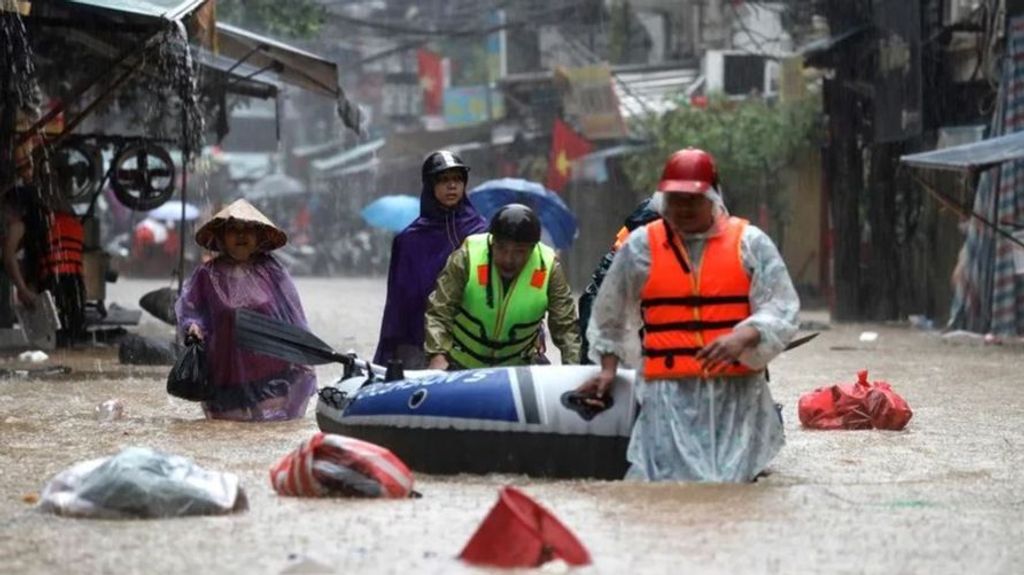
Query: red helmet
[690,170]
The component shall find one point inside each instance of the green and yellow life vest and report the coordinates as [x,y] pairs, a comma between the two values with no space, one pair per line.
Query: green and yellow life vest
[506,332]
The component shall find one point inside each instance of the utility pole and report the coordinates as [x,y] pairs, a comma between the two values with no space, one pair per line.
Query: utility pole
[885,263]
[844,163]
[8,124]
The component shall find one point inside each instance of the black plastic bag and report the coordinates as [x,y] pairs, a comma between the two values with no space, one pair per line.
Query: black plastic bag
[187,379]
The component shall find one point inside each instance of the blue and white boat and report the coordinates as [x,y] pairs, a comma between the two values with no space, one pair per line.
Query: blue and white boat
[495,420]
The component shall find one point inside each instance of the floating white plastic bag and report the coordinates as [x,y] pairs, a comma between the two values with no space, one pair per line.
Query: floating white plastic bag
[142,483]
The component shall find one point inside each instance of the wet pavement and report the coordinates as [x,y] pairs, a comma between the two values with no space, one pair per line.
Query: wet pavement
[944,496]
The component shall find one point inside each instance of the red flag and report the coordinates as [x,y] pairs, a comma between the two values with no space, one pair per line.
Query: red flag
[566,146]
[432,81]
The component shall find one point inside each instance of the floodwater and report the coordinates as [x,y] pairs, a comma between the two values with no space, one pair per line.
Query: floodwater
[945,496]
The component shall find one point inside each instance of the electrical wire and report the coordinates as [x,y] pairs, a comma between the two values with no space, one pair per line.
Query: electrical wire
[532,19]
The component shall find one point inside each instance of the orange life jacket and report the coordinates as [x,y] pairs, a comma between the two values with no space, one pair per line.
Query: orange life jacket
[62,253]
[620,238]
[685,309]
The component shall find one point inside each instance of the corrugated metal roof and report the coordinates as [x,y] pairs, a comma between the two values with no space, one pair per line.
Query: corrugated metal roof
[653,92]
[641,90]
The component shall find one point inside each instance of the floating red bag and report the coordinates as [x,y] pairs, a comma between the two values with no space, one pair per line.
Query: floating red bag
[817,409]
[335,465]
[860,405]
[888,410]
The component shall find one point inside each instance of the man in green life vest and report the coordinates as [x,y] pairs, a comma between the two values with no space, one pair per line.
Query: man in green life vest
[491,298]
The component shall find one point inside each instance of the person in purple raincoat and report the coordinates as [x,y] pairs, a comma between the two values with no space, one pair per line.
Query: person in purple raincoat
[419,253]
[250,387]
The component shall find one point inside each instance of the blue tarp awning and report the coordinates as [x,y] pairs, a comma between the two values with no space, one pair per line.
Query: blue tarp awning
[971,157]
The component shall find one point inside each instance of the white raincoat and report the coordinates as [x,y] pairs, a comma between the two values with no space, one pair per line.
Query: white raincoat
[723,429]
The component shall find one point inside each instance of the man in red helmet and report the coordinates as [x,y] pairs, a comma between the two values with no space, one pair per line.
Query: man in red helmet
[715,304]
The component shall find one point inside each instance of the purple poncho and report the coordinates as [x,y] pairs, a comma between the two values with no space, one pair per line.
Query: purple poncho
[418,254]
[251,387]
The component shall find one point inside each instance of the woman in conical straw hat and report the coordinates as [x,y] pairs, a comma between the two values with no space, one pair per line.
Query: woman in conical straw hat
[250,387]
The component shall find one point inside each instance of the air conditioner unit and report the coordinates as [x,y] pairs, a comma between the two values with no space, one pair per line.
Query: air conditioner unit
[740,74]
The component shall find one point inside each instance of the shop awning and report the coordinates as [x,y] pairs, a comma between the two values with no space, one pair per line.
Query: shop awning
[971,157]
[162,9]
[292,65]
[240,78]
[321,149]
[261,54]
[332,164]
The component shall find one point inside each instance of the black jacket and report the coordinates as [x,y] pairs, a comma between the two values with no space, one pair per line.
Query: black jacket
[643,214]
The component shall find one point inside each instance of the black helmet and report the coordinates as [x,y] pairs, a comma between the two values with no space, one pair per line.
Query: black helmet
[440,161]
[517,223]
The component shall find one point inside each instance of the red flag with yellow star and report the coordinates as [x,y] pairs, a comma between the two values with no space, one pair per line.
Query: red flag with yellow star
[431,73]
[566,146]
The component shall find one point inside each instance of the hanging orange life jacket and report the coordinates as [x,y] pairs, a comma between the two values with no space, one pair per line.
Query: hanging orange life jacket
[685,309]
[62,253]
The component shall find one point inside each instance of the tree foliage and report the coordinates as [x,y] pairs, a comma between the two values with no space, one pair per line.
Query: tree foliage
[752,141]
[291,19]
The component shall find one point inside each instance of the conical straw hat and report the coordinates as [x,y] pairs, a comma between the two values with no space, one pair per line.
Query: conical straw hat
[243,211]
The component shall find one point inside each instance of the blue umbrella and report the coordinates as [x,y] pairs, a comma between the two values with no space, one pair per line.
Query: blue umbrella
[393,213]
[555,216]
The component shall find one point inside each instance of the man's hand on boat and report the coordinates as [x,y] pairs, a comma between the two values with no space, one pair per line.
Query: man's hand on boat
[596,389]
[439,361]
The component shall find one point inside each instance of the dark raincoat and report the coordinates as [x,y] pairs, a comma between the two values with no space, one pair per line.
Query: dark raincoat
[641,215]
[418,255]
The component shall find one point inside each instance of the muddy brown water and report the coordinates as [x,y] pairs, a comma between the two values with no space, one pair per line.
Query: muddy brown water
[945,496]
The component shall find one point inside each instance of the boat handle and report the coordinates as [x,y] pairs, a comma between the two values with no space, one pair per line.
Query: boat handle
[575,401]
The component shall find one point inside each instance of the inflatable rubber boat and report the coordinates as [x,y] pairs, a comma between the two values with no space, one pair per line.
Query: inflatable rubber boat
[495,420]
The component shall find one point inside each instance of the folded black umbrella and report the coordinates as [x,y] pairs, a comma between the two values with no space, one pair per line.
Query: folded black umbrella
[160,303]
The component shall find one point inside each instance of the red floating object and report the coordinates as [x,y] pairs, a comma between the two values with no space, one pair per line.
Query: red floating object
[519,532]
[861,405]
